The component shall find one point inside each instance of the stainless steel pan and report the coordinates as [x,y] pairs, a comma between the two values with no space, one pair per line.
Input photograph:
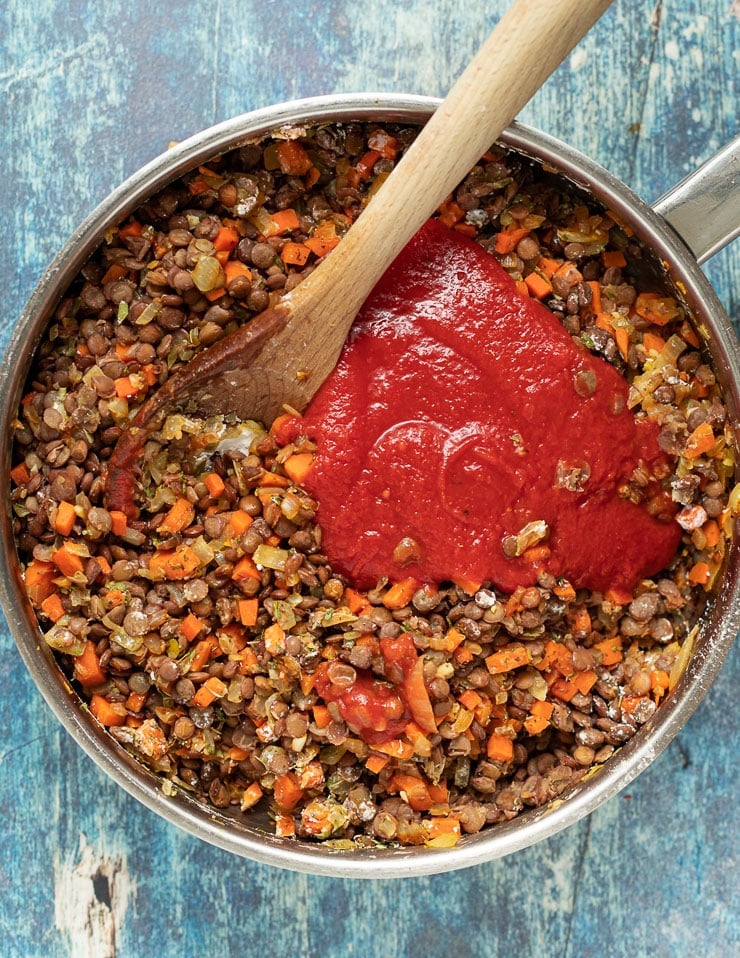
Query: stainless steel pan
[690,223]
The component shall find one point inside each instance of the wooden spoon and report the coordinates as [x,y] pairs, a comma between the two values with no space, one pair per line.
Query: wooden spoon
[283,355]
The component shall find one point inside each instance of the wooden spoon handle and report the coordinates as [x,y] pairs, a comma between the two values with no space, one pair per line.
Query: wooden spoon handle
[526,46]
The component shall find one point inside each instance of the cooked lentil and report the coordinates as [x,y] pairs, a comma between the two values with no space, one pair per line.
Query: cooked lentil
[197,632]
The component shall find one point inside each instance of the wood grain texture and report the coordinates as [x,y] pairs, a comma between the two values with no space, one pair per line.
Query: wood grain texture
[90,90]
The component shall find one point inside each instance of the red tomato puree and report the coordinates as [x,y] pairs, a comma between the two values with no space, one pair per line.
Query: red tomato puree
[460,412]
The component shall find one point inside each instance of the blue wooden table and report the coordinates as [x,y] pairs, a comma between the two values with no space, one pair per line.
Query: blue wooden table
[89,91]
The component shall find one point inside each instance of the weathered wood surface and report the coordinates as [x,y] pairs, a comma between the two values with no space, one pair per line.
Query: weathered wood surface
[88,92]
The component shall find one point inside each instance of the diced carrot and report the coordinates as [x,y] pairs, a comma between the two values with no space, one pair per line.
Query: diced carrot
[191,626]
[618,596]
[284,826]
[421,744]
[557,656]
[467,584]
[539,286]
[298,466]
[52,607]
[234,269]
[700,573]
[312,775]
[630,702]
[125,351]
[400,594]
[135,701]
[413,789]
[655,308]
[293,158]
[128,386]
[659,682]
[376,763]
[453,638]
[652,342]
[275,638]
[563,689]
[119,522]
[463,655]
[213,294]
[536,554]
[64,519]
[443,832]
[548,266]
[569,273]
[239,522]
[581,621]
[622,337]
[711,533]
[366,163]
[150,373]
[273,480]
[68,562]
[539,717]
[232,638]
[450,213]
[470,699]
[611,650]
[197,186]
[245,569]
[356,602]
[700,441]
[287,791]
[20,474]
[203,653]
[396,748]
[252,794]
[508,239]
[178,563]
[595,297]
[295,254]
[613,258]
[417,697]
[226,239]
[565,591]
[286,221]
[279,421]
[212,689]
[688,334]
[179,517]
[506,659]
[133,228]
[323,239]
[438,793]
[248,611]
[114,597]
[107,713]
[500,748]
[214,484]
[585,681]
[115,271]
[321,715]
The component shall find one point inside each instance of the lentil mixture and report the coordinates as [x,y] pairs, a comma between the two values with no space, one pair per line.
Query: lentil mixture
[210,635]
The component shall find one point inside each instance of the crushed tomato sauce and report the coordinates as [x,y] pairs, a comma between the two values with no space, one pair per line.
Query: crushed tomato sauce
[459,413]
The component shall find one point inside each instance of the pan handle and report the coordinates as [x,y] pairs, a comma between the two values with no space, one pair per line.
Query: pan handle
[704,208]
